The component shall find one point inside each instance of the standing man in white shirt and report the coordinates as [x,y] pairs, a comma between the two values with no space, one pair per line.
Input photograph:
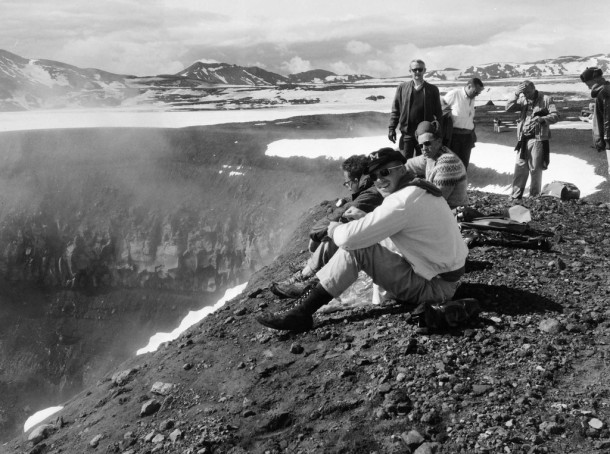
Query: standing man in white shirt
[461,102]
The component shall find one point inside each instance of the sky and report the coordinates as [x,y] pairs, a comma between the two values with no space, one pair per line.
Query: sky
[344,36]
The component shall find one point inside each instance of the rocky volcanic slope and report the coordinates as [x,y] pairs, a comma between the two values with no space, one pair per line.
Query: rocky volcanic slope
[109,236]
[527,377]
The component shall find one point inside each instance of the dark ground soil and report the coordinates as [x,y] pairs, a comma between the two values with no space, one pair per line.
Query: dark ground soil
[527,377]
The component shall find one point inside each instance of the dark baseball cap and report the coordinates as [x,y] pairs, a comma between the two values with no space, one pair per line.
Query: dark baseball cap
[590,74]
[383,156]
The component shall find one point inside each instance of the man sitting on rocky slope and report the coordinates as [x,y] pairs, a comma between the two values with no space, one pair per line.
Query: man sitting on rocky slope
[364,199]
[410,245]
[439,165]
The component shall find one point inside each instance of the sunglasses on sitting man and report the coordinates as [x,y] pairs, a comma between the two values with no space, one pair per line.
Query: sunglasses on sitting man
[382,173]
[348,184]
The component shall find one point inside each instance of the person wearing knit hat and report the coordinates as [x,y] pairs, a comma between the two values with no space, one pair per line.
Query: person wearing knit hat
[536,112]
[410,245]
[600,91]
[439,165]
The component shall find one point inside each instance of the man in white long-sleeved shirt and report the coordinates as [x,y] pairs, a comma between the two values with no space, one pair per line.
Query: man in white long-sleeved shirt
[461,102]
[410,245]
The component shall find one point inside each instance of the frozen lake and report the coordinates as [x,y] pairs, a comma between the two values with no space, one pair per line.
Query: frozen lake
[137,118]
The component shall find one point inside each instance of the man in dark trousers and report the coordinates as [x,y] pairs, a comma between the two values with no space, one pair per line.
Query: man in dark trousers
[415,101]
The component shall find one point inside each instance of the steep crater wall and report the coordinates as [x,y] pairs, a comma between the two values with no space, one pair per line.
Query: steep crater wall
[110,235]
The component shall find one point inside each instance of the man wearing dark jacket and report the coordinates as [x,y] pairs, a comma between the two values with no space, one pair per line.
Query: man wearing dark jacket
[364,199]
[600,91]
[415,101]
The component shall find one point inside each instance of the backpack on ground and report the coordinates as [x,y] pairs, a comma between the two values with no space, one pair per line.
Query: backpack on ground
[562,190]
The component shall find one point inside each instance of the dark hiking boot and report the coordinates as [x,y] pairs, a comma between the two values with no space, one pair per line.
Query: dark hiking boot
[449,314]
[458,312]
[293,287]
[299,318]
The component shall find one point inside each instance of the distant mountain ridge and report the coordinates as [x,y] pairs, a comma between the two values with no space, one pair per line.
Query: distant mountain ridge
[34,84]
[24,82]
[551,67]
[225,73]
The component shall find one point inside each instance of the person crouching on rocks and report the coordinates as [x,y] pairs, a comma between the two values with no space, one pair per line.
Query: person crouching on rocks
[410,245]
[364,199]
[439,165]
[600,91]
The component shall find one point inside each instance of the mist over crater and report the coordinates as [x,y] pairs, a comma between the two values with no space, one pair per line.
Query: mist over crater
[108,236]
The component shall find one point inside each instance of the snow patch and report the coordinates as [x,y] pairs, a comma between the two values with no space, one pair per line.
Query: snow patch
[39,417]
[499,158]
[191,318]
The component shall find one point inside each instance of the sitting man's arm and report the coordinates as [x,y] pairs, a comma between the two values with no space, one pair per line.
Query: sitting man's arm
[353,213]
[381,223]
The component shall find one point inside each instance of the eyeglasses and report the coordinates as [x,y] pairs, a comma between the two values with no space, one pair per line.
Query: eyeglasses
[382,173]
[427,143]
[349,183]
[418,70]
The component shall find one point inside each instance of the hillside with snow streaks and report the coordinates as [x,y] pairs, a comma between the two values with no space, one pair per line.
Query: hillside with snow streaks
[31,84]
[553,67]
[223,73]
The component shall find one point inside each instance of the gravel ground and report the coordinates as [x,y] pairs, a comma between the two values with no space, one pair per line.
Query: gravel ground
[528,376]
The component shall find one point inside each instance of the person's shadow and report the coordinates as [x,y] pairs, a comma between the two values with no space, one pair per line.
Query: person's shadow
[506,300]
[498,299]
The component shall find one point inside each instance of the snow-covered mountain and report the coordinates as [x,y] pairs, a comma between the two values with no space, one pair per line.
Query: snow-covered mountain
[30,84]
[45,84]
[321,76]
[223,73]
[552,67]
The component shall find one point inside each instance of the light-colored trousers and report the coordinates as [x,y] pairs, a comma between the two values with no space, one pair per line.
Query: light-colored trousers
[388,270]
[531,166]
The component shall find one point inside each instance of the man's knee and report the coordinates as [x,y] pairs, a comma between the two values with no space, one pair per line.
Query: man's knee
[313,245]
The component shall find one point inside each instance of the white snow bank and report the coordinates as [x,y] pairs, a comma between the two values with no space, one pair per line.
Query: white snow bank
[500,158]
[39,417]
[191,318]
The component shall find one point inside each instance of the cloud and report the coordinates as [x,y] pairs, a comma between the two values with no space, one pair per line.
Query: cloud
[376,67]
[145,38]
[341,68]
[296,65]
[357,47]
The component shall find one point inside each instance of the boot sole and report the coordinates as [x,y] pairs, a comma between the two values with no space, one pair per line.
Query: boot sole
[277,292]
[270,324]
